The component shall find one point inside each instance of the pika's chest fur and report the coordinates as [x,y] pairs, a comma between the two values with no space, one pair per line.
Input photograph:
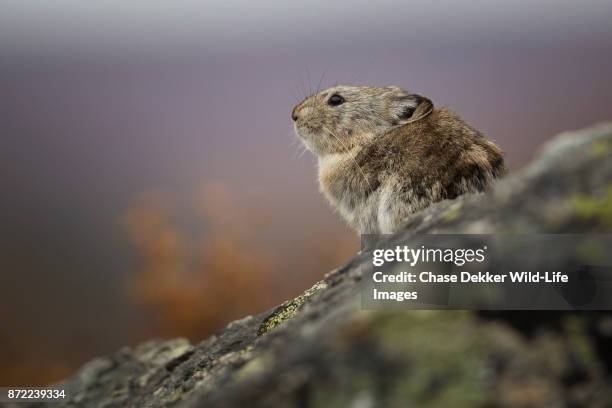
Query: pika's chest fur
[354,193]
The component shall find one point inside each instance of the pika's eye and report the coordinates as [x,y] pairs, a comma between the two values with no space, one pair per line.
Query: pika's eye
[335,100]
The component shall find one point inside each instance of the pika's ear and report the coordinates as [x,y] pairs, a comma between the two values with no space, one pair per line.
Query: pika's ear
[411,108]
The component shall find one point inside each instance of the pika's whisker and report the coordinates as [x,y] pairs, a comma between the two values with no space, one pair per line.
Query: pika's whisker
[304,150]
[309,81]
[320,81]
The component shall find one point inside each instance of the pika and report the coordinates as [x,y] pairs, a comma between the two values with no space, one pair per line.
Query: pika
[385,153]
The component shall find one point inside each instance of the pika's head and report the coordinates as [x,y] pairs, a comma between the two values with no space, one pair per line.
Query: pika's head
[337,119]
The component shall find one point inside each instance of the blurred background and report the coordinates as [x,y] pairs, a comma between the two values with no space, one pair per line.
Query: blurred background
[151,182]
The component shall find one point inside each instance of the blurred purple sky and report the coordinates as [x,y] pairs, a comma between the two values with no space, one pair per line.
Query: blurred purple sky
[102,102]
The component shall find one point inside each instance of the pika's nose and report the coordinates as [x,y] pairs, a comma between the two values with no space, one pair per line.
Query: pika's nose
[294,114]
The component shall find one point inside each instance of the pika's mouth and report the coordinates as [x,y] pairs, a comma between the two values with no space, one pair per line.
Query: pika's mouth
[310,138]
[299,130]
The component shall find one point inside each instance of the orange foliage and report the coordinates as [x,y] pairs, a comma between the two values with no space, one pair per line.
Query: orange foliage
[194,285]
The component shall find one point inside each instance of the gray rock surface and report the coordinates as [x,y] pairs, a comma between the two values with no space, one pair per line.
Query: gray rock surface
[322,350]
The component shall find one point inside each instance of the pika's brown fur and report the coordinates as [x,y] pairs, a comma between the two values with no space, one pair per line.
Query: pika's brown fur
[385,153]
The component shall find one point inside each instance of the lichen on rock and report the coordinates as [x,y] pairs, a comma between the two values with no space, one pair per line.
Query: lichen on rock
[289,309]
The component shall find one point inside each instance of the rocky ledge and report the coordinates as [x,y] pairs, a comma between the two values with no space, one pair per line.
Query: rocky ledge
[323,350]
